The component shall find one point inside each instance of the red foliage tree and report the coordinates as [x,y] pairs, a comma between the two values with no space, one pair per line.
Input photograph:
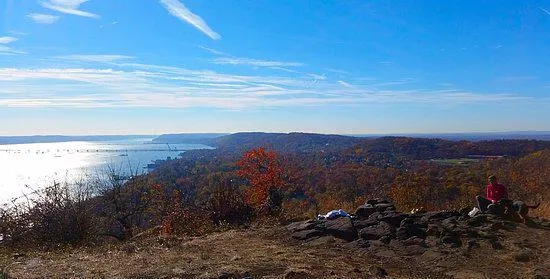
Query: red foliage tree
[262,170]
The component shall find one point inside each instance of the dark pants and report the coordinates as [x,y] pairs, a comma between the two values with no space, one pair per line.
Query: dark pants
[482,203]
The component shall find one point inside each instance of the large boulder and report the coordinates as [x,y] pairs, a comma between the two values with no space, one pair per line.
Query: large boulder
[300,226]
[362,223]
[365,211]
[378,231]
[409,228]
[381,207]
[342,228]
[390,217]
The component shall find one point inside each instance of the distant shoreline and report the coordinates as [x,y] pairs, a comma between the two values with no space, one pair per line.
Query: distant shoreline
[58,138]
[174,138]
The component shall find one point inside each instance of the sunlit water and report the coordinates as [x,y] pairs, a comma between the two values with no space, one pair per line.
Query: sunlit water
[28,167]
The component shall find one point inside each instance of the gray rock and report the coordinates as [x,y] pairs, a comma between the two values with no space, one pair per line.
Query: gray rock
[452,239]
[342,228]
[305,234]
[378,231]
[433,230]
[450,223]
[381,207]
[410,230]
[300,226]
[361,223]
[477,221]
[390,217]
[365,211]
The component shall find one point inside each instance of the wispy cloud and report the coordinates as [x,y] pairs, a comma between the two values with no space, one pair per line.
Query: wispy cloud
[285,70]
[337,71]
[177,9]
[43,18]
[103,58]
[7,40]
[71,7]
[6,50]
[254,62]
[211,50]
[130,84]
[345,84]
[544,10]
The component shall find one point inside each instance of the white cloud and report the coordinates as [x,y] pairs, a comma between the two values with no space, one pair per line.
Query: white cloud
[7,40]
[141,85]
[211,50]
[337,71]
[101,58]
[254,62]
[6,50]
[177,9]
[43,18]
[68,7]
[345,84]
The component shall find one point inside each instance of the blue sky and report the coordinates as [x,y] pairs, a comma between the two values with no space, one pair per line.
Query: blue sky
[168,66]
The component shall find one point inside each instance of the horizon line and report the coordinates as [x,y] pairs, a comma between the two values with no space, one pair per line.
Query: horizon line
[286,132]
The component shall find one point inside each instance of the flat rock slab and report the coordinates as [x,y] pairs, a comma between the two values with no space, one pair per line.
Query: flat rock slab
[342,228]
[306,234]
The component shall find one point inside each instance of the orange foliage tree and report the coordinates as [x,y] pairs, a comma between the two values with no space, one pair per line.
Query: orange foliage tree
[263,171]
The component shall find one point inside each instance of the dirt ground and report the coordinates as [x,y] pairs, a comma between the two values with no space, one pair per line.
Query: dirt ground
[269,252]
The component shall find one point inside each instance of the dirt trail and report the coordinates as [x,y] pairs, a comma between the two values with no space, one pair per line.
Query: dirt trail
[271,253]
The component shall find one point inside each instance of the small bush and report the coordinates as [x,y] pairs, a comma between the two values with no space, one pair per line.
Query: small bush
[59,214]
[227,207]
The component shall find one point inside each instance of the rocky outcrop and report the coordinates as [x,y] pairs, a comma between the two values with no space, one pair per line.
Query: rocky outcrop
[378,223]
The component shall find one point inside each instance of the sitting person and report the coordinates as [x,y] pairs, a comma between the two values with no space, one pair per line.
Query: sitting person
[494,192]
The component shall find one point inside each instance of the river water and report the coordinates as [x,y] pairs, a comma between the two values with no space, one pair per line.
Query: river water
[27,167]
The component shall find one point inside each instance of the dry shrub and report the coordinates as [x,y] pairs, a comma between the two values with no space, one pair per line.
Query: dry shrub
[295,210]
[227,207]
[125,206]
[59,214]
[189,221]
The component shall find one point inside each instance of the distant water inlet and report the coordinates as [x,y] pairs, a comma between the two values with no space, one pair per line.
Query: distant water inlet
[28,167]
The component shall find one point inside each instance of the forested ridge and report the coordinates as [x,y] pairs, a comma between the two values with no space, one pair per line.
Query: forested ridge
[324,172]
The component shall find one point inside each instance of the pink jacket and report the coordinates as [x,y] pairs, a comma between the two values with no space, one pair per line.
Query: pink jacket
[496,192]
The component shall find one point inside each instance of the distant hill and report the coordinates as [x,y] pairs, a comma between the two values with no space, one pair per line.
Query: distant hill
[198,138]
[291,142]
[473,136]
[58,138]
[405,147]
[426,148]
[282,142]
